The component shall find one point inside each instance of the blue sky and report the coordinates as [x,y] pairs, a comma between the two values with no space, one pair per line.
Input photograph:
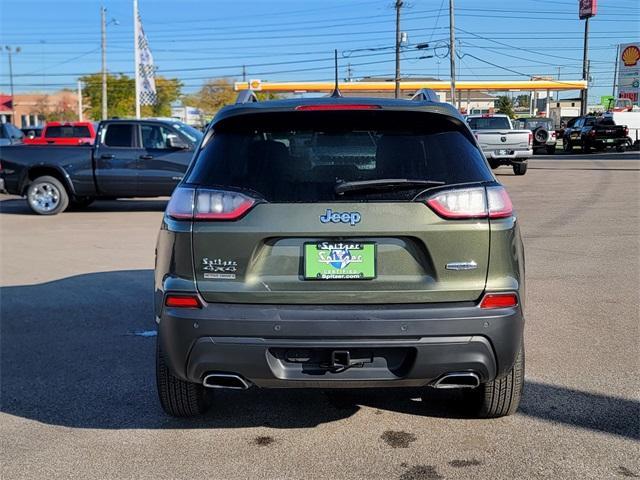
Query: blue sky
[294,40]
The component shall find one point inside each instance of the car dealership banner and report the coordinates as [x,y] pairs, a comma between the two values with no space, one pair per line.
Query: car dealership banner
[629,72]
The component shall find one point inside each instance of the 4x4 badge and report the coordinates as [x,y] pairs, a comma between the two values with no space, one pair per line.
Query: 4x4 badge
[345,217]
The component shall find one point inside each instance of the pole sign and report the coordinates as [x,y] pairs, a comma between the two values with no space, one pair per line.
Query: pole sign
[629,72]
[587,8]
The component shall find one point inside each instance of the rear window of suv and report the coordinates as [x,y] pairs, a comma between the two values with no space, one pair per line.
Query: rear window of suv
[302,156]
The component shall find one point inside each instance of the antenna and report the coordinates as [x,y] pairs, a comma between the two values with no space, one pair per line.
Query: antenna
[336,89]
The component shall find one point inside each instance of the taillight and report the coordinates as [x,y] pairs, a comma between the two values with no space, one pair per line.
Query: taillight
[553,134]
[499,300]
[492,202]
[182,301]
[626,131]
[208,204]
[530,138]
[344,106]
[592,133]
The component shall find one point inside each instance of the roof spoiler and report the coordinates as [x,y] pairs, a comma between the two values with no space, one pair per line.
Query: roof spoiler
[246,96]
[425,95]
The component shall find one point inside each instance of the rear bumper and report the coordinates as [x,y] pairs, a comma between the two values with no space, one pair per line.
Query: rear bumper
[410,345]
[517,155]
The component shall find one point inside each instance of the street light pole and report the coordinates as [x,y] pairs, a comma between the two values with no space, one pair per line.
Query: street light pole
[452,52]
[10,51]
[103,17]
[398,41]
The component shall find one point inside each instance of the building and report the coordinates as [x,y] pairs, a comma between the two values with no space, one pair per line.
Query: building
[35,108]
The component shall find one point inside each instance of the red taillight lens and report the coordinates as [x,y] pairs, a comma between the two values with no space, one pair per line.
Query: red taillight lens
[530,138]
[205,204]
[182,301]
[626,131]
[592,133]
[346,106]
[499,300]
[492,202]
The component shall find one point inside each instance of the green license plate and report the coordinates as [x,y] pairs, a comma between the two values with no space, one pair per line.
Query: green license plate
[339,260]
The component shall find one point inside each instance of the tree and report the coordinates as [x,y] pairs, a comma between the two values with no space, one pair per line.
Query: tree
[121,96]
[505,105]
[523,101]
[214,94]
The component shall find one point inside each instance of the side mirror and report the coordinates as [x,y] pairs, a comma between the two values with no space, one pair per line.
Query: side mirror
[176,143]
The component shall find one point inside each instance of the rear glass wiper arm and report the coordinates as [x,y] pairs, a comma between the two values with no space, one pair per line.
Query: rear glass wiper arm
[384,184]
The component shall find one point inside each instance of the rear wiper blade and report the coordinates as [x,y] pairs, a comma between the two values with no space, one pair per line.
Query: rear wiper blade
[384,184]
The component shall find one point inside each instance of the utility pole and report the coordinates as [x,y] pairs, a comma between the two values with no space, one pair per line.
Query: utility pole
[398,40]
[244,73]
[79,101]
[452,52]
[349,72]
[11,51]
[558,91]
[585,74]
[615,75]
[103,20]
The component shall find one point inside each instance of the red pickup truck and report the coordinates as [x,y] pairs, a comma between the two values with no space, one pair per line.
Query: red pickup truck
[65,133]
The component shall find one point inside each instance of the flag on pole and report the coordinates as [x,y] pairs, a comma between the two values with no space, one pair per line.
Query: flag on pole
[146,70]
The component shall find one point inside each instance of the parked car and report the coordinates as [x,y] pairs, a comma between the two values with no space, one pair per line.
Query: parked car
[544,134]
[286,260]
[58,133]
[132,158]
[10,135]
[631,120]
[599,133]
[32,132]
[501,143]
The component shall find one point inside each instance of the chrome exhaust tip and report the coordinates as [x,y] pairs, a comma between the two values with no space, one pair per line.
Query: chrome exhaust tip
[458,380]
[229,381]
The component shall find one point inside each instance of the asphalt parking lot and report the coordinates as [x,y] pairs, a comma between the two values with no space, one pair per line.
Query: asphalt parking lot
[78,395]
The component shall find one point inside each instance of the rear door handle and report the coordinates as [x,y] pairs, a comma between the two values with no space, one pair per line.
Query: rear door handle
[145,157]
[107,156]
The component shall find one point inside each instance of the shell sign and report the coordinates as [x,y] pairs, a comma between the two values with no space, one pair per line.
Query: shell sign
[629,72]
[630,56]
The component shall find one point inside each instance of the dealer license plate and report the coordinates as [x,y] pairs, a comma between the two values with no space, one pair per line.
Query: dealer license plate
[339,260]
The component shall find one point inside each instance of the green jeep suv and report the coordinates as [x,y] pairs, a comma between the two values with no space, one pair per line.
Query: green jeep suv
[339,243]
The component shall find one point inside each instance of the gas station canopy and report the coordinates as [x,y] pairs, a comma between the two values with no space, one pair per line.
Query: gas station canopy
[488,85]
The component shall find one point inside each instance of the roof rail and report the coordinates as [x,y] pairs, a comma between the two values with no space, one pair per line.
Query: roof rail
[246,96]
[426,94]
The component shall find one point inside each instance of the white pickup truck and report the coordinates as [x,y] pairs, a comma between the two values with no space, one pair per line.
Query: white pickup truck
[501,144]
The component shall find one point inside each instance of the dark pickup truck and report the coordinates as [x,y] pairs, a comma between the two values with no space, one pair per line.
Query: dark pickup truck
[594,132]
[130,158]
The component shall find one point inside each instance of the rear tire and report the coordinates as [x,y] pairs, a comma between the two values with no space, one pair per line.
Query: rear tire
[621,148]
[47,195]
[493,164]
[566,146]
[500,397]
[519,168]
[551,150]
[177,397]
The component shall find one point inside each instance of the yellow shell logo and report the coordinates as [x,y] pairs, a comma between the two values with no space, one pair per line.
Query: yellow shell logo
[630,56]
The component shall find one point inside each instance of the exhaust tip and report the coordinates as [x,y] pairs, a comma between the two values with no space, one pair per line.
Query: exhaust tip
[458,380]
[229,381]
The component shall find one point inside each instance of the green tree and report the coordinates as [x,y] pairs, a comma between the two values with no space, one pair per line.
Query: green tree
[505,105]
[214,94]
[523,101]
[121,96]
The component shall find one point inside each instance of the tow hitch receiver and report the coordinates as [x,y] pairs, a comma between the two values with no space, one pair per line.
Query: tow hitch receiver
[340,359]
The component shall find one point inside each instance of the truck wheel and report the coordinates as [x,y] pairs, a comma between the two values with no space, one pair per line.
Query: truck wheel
[47,196]
[493,164]
[501,396]
[567,146]
[177,397]
[520,168]
[621,148]
[551,149]
[79,203]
